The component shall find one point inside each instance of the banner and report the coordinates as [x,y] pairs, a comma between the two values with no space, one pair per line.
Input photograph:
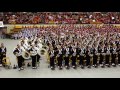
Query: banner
[1,24]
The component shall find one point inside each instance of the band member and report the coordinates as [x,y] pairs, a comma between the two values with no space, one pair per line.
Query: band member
[67,59]
[37,47]
[0,57]
[87,53]
[119,57]
[53,43]
[52,59]
[60,58]
[113,55]
[73,58]
[101,51]
[24,49]
[18,53]
[56,50]
[70,50]
[78,50]
[33,53]
[107,55]
[95,57]
[3,51]
[118,51]
[63,51]
[81,58]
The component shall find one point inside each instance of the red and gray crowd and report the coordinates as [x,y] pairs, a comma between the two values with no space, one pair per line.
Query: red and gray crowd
[60,17]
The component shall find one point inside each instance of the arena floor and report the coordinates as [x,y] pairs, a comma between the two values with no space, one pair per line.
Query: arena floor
[44,72]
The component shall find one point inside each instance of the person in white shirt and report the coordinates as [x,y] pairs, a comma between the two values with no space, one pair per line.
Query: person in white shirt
[18,53]
[33,53]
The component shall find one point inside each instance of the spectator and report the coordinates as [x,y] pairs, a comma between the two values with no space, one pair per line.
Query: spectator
[60,17]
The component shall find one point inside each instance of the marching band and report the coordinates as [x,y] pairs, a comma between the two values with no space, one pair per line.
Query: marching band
[70,49]
[92,50]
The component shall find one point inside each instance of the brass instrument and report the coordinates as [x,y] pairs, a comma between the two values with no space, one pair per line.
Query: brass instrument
[47,57]
[41,52]
[84,61]
[56,61]
[104,54]
[6,62]
[91,59]
[98,55]
[26,55]
[77,61]
[116,58]
[70,61]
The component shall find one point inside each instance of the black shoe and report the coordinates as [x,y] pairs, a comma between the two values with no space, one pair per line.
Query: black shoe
[23,64]
[75,67]
[96,66]
[82,67]
[52,68]
[14,67]
[60,68]
[67,68]
[3,65]
[103,66]
[89,66]
[108,65]
[114,65]
[28,65]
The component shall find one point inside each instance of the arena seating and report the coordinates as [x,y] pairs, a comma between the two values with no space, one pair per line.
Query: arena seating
[60,17]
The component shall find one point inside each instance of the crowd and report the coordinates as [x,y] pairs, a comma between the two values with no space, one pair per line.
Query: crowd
[79,30]
[60,17]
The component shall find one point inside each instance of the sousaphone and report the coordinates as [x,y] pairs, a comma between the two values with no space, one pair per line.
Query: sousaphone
[26,55]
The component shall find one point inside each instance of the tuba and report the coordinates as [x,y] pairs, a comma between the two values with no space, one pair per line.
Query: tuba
[26,55]
[42,51]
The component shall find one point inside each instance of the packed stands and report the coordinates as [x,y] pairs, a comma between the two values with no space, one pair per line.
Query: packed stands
[60,17]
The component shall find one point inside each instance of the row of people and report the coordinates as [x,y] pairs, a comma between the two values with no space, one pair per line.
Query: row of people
[67,56]
[73,29]
[60,17]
